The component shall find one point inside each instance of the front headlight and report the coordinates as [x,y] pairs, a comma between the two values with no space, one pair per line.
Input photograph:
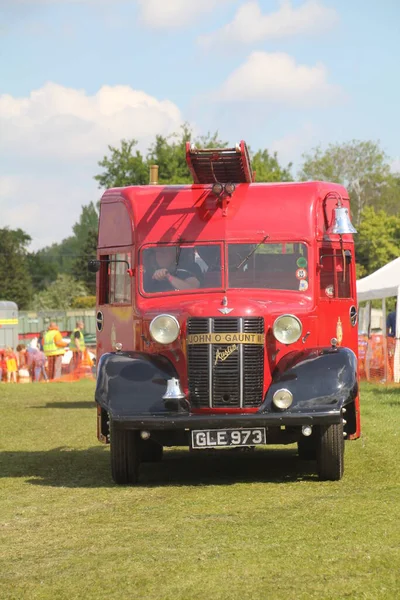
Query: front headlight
[287,329]
[164,329]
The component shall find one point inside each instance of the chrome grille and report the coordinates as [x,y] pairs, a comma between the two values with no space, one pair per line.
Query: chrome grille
[236,382]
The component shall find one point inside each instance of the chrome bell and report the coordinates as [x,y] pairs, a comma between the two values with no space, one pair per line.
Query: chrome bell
[174,390]
[341,223]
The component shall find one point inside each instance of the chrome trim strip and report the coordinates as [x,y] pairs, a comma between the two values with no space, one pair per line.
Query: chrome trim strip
[241,350]
[210,366]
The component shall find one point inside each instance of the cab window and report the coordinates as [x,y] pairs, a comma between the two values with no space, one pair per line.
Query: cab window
[172,268]
[334,273]
[115,282]
[274,266]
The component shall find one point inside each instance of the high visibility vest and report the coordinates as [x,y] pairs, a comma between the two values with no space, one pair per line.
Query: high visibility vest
[50,348]
[81,341]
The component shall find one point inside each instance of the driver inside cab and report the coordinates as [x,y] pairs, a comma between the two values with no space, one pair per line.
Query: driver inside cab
[162,272]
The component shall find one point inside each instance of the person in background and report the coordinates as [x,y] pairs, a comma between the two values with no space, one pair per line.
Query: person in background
[3,365]
[12,365]
[77,345]
[40,366]
[31,354]
[54,349]
[21,356]
[391,323]
[40,340]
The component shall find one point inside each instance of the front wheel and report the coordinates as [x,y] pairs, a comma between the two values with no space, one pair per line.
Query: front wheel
[125,455]
[330,452]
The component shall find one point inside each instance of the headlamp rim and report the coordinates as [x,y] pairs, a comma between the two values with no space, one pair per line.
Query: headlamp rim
[293,317]
[169,316]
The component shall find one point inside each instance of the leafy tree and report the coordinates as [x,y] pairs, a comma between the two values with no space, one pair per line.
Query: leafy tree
[60,294]
[169,153]
[361,166]
[85,302]
[377,241]
[42,270]
[15,279]
[62,257]
[123,167]
[87,224]
[267,167]
[80,267]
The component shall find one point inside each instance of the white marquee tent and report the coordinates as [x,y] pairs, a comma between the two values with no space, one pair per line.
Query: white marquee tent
[384,283]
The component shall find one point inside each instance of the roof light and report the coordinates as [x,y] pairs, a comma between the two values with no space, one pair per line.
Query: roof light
[217,188]
[230,188]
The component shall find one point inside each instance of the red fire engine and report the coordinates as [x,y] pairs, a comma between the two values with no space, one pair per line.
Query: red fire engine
[226,316]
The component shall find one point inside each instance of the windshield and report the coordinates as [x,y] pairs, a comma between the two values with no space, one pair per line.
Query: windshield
[269,266]
[171,268]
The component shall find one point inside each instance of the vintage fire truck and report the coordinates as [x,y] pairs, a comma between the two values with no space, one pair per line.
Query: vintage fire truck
[226,316]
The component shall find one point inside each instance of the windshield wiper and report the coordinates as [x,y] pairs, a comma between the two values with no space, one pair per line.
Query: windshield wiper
[244,261]
[178,255]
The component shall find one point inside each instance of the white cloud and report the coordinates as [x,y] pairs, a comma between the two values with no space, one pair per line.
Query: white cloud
[46,205]
[250,25]
[290,147]
[175,13]
[64,122]
[53,139]
[275,78]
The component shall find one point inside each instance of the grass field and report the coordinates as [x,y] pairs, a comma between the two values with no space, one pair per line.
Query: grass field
[235,526]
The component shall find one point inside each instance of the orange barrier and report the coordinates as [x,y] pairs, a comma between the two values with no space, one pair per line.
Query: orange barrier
[83,370]
[376,358]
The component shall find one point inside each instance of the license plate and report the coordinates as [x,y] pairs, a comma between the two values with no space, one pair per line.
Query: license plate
[218,438]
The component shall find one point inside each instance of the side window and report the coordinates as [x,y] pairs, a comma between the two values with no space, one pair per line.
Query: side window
[334,274]
[115,282]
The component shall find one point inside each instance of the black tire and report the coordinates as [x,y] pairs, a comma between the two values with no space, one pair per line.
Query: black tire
[150,451]
[307,447]
[125,457]
[330,452]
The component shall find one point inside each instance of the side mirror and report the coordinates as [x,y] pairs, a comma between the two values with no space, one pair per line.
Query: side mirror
[93,266]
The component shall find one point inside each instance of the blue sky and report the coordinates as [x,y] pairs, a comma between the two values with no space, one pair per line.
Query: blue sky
[76,75]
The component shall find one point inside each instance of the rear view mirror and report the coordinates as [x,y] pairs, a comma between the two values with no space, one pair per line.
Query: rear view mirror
[93,265]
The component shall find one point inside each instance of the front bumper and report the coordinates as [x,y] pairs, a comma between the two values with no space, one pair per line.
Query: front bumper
[224,421]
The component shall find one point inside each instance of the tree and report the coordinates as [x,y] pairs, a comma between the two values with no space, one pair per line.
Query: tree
[80,267]
[43,271]
[377,241]
[62,257]
[87,224]
[123,167]
[15,279]
[60,294]
[267,167]
[362,167]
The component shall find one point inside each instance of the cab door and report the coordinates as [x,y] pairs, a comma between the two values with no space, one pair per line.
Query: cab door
[337,297]
[115,299]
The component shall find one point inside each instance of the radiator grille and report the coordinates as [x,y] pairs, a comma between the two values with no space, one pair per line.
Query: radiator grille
[234,382]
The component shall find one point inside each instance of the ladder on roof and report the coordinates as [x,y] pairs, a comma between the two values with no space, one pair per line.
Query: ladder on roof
[222,165]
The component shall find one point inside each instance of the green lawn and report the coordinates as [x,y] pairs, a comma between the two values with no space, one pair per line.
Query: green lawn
[235,526]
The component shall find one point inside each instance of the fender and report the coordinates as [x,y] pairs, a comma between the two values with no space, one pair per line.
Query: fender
[130,383]
[320,379]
